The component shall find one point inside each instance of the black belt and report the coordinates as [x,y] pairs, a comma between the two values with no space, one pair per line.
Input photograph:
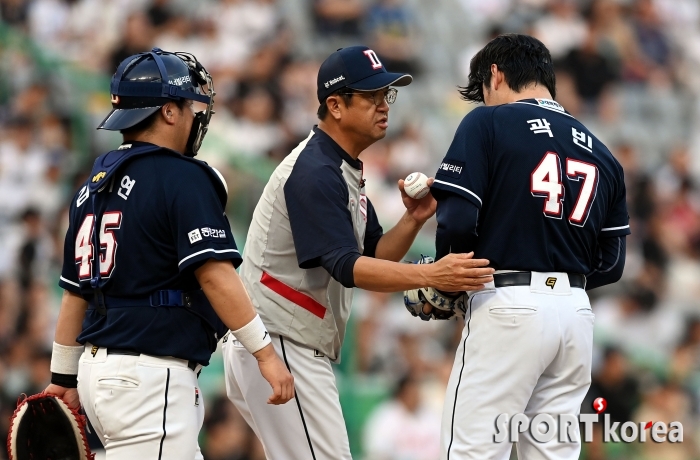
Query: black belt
[122,351]
[523,279]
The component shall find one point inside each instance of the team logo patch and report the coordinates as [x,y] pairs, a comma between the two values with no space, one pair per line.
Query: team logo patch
[99,176]
[550,104]
[551,281]
[207,234]
[194,236]
[451,169]
[196,396]
[93,352]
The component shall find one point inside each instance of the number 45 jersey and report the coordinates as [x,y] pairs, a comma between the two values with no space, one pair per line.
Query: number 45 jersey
[162,217]
[545,187]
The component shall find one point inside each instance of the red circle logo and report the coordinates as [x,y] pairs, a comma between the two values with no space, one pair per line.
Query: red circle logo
[599,405]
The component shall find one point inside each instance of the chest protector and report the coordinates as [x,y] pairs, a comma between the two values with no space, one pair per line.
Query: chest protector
[106,166]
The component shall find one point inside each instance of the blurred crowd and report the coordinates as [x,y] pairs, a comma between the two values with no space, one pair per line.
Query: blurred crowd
[628,69]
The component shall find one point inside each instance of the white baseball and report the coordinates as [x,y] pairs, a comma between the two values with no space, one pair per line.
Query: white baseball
[416,185]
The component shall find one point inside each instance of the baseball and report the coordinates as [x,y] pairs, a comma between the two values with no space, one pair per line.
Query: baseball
[416,185]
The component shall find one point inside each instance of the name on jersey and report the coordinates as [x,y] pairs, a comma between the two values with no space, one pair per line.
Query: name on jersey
[451,168]
[206,234]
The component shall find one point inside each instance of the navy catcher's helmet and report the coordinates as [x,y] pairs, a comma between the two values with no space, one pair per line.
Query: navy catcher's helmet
[143,83]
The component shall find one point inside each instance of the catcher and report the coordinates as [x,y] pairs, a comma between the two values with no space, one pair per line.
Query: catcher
[149,272]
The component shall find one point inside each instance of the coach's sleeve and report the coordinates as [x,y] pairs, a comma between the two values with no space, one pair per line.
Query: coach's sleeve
[373,231]
[465,168]
[317,204]
[69,273]
[197,220]
[617,222]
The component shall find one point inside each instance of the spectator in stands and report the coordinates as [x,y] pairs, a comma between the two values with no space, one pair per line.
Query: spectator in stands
[614,382]
[403,428]
[562,29]
[592,71]
[228,436]
[392,32]
[136,38]
[254,129]
[651,37]
[338,17]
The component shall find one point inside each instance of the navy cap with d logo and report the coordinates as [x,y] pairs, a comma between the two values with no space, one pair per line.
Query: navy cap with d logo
[358,68]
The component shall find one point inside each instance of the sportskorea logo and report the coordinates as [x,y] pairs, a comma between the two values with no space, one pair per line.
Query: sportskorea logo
[545,428]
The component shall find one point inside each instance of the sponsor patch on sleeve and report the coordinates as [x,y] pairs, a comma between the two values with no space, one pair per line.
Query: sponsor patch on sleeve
[451,169]
[207,234]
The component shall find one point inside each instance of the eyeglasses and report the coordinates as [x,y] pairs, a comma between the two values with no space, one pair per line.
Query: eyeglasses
[388,95]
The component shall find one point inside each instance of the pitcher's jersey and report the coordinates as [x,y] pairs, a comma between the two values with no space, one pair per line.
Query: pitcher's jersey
[162,217]
[314,203]
[546,188]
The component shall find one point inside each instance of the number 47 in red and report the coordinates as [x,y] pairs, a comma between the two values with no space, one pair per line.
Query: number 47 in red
[545,182]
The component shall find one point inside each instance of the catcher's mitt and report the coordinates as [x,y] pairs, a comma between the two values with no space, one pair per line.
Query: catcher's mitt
[44,427]
[444,306]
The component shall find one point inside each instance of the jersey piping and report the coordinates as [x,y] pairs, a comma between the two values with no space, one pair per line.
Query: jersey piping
[461,188]
[215,251]
[614,228]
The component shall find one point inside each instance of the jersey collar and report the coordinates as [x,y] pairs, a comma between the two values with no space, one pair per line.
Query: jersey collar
[357,164]
[545,103]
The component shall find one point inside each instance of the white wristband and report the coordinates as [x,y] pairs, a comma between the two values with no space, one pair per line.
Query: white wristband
[253,336]
[64,359]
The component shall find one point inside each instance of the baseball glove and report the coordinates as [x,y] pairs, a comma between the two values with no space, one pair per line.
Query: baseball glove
[43,427]
[444,306]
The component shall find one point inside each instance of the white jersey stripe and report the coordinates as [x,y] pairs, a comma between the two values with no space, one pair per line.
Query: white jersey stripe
[69,282]
[206,250]
[614,228]
[461,188]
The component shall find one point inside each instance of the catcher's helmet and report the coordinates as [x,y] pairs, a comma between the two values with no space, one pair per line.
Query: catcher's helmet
[144,82]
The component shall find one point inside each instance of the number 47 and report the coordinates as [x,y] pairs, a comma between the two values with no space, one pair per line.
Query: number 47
[545,181]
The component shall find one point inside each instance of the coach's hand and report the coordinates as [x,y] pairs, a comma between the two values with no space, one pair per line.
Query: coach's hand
[459,272]
[419,210]
[69,395]
[275,372]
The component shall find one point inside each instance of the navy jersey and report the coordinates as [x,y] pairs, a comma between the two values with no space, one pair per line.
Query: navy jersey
[161,219]
[545,187]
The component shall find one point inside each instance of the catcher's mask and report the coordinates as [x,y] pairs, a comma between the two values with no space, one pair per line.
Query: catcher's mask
[144,82]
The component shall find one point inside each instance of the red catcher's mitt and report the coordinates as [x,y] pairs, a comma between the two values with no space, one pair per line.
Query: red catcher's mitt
[44,427]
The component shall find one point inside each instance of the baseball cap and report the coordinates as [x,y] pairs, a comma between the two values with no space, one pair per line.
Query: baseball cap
[355,67]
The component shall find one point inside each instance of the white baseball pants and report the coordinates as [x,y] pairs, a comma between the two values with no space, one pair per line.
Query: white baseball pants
[309,427]
[141,406]
[524,349]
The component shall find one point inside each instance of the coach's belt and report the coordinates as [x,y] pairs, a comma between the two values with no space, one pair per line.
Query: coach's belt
[523,279]
[122,351]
